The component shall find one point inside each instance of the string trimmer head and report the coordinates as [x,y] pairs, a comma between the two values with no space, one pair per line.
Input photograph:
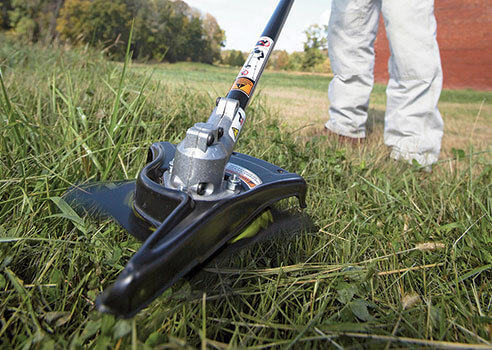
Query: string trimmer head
[193,198]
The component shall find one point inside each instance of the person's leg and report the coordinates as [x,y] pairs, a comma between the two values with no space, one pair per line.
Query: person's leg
[413,124]
[352,32]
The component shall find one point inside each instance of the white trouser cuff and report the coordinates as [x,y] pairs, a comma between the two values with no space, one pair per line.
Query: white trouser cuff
[424,159]
[335,127]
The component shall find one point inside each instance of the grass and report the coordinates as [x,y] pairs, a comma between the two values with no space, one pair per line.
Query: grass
[301,103]
[398,258]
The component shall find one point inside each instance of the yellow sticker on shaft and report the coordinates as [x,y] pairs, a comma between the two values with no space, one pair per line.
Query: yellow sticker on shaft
[243,84]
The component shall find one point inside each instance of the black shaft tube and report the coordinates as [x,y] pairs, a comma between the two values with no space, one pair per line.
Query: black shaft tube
[247,80]
[276,23]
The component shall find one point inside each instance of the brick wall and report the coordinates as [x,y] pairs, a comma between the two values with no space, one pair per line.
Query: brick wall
[464,33]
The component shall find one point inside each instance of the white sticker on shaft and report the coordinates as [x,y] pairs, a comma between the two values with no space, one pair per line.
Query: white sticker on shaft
[237,124]
[257,59]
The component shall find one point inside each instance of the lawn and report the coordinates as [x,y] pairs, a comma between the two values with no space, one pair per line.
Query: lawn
[300,102]
[387,256]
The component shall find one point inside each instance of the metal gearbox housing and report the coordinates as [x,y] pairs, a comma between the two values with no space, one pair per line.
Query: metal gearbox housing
[201,158]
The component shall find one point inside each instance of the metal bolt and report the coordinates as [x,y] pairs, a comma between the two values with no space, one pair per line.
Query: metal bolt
[234,183]
[202,186]
[220,132]
[210,140]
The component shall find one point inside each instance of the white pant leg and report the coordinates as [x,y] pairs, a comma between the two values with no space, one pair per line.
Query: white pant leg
[413,124]
[352,32]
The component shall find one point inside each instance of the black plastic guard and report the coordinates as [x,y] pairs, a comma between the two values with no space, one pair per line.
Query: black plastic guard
[187,231]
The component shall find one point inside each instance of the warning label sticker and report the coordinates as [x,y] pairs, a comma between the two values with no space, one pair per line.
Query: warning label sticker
[237,124]
[257,59]
[247,176]
[243,84]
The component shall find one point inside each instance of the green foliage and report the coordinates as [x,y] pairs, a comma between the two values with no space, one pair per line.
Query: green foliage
[163,29]
[279,60]
[314,58]
[33,20]
[71,22]
[215,36]
[5,7]
[316,37]
[22,15]
[316,41]
[295,61]
[27,28]
[233,58]
[107,23]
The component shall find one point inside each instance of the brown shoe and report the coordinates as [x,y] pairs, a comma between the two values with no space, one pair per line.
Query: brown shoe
[354,141]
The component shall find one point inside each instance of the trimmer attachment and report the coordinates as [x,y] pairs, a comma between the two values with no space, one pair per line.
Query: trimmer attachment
[193,198]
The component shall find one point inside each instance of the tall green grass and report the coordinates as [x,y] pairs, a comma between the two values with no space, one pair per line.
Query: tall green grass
[398,258]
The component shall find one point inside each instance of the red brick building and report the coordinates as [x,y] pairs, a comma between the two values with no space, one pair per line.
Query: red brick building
[464,33]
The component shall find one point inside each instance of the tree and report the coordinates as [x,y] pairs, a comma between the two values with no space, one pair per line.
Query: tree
[295,61]
[175,32]
[194,42]
[316,41]
[182,7]
[53,13]
[99,22]
[234,58]
[31,19]
[71,21]
[4,14]
[215,38]
[22,18]
[316,37]
[163,29]
[279,60]
[153,36]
